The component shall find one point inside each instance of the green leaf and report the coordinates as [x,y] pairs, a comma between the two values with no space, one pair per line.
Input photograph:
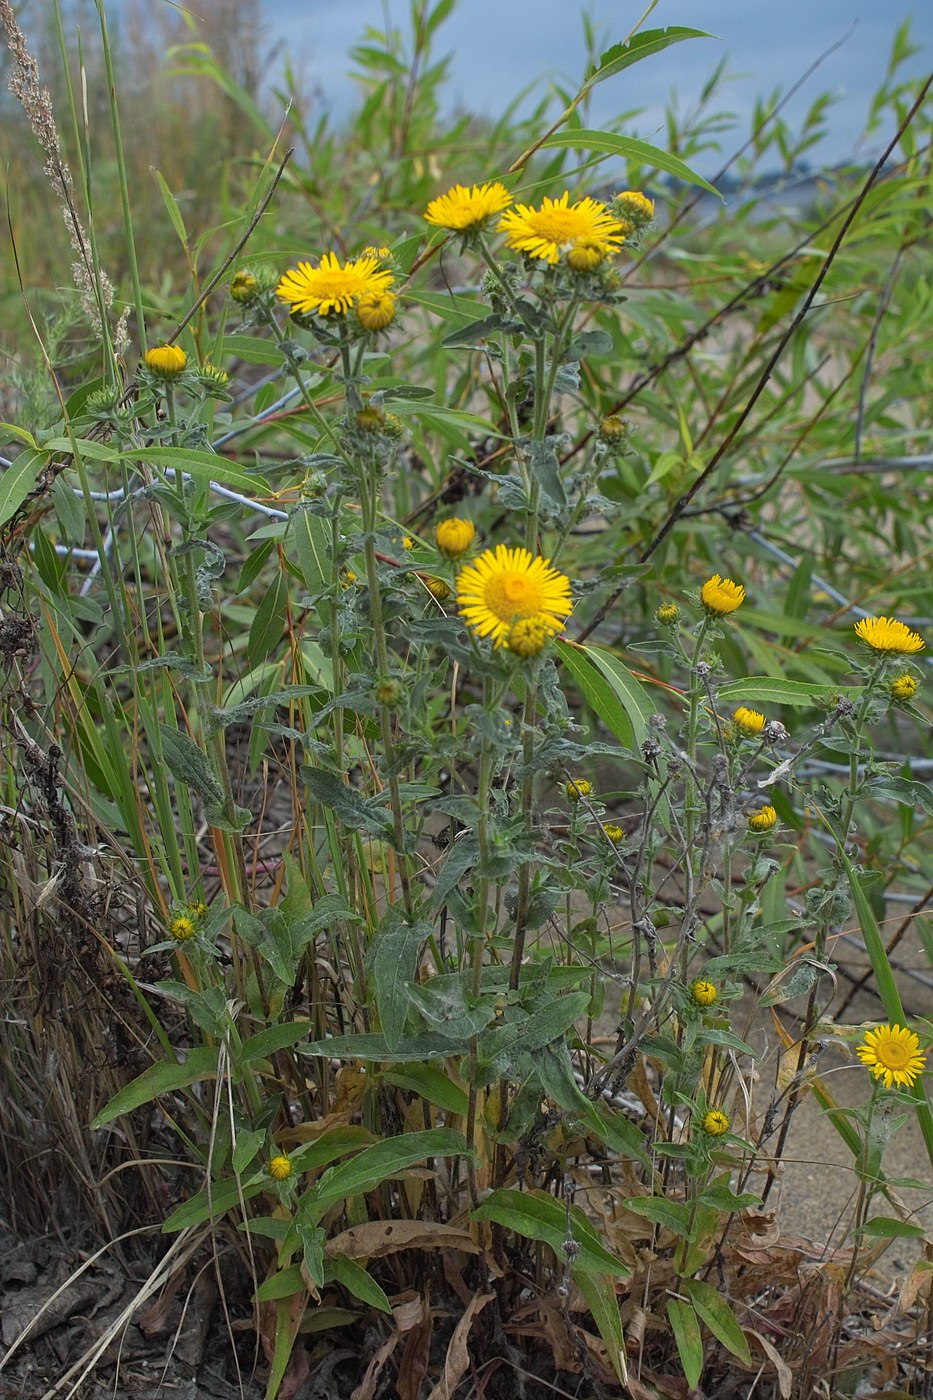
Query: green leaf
[718,1316]
[21,434]
[538,1216]
[273,1038]
[247,1145]
[349,805]
[269,621]
[719,1195]
[888,1227]
[641,45]
[545,466]
[600,1294]
[673,1215]
[635,699]
[391,962]
[597,691]
[900,790]
[311,537]
[171,205]
[191,766]
[203,466]
[381,1162]
[500,1047]
[374,1046]
[357,1281]
[83,447]
[773,690]
[607,143]
[686,1328]
[18,480]
[162,1078]
[434,1085]
[284,1284]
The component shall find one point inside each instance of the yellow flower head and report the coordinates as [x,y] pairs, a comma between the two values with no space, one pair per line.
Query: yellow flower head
[376,310]
[280,1168]
[182,928]
[462,209]
[704,993]
[613,429]
[437,587]
[167,361]
[504,586]
[332,286]
[453,537]
[577,789]
[904,687]
[407,542]
[559,227]
[667,614]
[586,255]
[715,1123]
[615,833]
[748,721]
[244,288]
[370,420]
[887,634]
[636,207]
[528,637]
[763,820]
[197,908]
[721,596]
[892,1053]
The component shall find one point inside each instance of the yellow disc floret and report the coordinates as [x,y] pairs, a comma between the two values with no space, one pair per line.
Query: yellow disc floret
[704,993]
[376,310]
[887,634]
[280,1168]
[528,637]
[182,928]
[904,687]
[892,1053]
[577,789]
[763,820]
[504,586]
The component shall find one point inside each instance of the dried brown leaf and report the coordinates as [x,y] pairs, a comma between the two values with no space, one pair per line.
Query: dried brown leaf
[458,1356]
[380,1237]
[785,1376]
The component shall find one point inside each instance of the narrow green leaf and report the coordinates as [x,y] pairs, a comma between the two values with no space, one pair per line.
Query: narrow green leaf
[718,1316]
[600,1294]
[631,693]
[18,480]
[434,1085]
[673,1215]
[357,1281]
[203,466]
[607,143]
[162,1078]
[85,447]
[391,963]
[21,434]
[311,538]
[641,45]
[597,691]
[379,1163]
[686,1328]
[888,1227]
[538,1216]
[374,1046]
[269,621]
[499,1047]
[273,1038]
[247,1145]
[171,205]
[774,690]
[284,1284]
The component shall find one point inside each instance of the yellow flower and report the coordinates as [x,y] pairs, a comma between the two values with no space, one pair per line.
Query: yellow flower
[704,993]
[182,928]
[577,788]
[197,908]
[748,721]
[904,687]
[612,428]
[715,1123]
[528,637]
[166,361]
[763,820]
[453,537]
[586,255]
[667,614]
[330,286]
[615,833]
[244,288]
[437,588]
[461,209]
[280,1168]
[376,310]
[407,542]
[559,226]
[721,596]
[370,420]
[892,1053]
[887,634]
[636,207]
[504,586]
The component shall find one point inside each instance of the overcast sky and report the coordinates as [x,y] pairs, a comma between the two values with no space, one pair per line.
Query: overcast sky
[499,46]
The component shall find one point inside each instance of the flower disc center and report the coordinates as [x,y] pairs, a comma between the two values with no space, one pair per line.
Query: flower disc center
[513,595]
